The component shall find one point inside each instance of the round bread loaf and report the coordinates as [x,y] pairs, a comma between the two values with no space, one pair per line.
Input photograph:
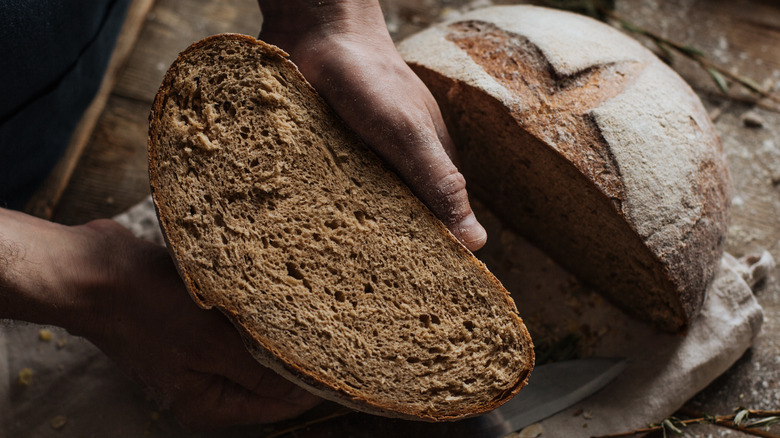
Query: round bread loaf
[589,145]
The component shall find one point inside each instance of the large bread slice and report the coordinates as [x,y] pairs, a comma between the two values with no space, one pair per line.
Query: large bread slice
[336,275]
[589,145]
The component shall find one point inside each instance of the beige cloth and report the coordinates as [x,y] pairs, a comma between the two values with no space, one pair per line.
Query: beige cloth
[74,382]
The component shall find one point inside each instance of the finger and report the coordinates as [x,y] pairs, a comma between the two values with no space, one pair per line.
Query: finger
[231,359]
[441,131]
[442,188]
[223,403]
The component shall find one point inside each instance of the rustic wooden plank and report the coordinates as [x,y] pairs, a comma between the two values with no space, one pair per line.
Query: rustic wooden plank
[46,198]
[112,174]
[170,28]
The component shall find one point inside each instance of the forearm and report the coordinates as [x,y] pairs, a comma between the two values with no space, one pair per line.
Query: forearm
[45,276]
[290,23]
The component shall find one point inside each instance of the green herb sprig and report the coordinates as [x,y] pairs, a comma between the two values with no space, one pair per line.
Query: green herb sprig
[748,421]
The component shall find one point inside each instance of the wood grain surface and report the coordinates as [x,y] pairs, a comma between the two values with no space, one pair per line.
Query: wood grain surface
[742,35]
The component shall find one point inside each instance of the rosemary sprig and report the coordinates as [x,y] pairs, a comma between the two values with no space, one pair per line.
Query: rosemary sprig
[747,421]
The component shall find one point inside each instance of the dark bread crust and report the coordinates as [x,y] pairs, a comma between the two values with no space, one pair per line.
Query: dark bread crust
[272,353]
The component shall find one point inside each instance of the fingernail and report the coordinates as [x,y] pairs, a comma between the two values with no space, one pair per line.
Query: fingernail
[471,233]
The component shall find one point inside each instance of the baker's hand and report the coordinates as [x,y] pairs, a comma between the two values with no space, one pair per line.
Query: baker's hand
[344,50]
[125,296]
[192,360]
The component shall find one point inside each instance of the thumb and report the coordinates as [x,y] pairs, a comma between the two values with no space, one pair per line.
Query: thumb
[438,183]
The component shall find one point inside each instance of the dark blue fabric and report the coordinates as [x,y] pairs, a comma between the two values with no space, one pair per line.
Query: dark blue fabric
[54,55]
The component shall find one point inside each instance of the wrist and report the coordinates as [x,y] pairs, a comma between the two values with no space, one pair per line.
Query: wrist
[52,274]
[297,25]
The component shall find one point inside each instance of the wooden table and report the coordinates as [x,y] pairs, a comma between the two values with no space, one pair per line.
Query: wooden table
[105,171]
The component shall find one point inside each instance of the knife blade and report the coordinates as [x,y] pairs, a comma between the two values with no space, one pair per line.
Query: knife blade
[551,388]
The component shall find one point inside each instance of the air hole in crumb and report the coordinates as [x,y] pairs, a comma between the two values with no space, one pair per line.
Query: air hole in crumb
[413,359]
[435,319]
[265,133]
[367,288]
[333,224]
[219,221]
[289,298]
[469,381]
[339,295]
[361,217]
[469,325]
[294,272]
[425,320]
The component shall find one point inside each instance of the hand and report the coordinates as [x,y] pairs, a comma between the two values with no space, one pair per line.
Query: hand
[344,50]
[192,360]
[124,295]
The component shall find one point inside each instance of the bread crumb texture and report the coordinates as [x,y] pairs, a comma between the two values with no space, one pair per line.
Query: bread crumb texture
[339,278]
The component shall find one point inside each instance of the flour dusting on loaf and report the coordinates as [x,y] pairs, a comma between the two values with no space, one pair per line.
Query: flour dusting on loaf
[336,275]
[589,145]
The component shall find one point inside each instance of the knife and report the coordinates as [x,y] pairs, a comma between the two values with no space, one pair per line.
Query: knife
[551,389]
